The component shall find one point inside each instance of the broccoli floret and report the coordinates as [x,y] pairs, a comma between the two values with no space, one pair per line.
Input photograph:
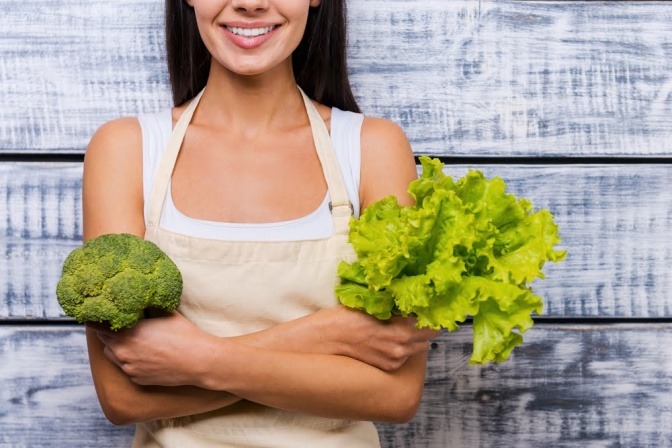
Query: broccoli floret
[114,278]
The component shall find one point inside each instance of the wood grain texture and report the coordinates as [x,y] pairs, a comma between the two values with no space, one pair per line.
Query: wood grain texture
[518,78]
[40,223]
[615,221]
[566,386]
[47,397]
[68,66]
[463,77]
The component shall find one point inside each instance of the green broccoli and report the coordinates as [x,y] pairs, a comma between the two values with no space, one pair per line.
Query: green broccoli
[114,278]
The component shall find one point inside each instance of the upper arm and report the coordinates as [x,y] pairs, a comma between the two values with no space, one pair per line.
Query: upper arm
[113,203]
[388,165]
[112,184]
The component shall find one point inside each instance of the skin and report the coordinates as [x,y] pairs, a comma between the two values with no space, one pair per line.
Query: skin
[334,363]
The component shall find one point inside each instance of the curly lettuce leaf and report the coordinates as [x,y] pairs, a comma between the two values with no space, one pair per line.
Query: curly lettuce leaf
[465,249]
[376,303]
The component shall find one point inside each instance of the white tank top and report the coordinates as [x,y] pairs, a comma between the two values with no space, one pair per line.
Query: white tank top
[345,138]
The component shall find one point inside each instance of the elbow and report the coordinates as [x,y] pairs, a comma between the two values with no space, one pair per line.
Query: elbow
[404,408]
[117,413]
[118,419]
[407,412]
[403,405]
[118,408]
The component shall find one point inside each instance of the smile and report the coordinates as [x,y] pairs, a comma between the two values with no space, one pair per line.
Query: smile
[250,32]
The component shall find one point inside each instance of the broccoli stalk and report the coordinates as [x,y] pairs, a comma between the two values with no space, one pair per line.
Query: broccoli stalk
[114,278]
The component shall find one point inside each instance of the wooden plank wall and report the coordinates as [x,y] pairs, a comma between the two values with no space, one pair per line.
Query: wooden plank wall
[570,102]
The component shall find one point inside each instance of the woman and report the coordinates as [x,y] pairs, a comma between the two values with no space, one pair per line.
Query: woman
[251,196]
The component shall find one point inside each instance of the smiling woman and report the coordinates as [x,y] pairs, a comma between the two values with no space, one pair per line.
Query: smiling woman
[251,43]
[248,185]
[569,102]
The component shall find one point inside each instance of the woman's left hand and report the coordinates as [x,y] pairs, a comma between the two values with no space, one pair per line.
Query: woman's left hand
[160,351]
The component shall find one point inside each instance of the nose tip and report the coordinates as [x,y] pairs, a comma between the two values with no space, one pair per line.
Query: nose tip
[250,6]
[249,10]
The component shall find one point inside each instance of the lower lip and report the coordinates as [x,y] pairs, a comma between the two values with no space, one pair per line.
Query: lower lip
[248,42]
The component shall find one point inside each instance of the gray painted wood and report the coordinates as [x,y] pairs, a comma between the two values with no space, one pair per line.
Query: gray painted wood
[40,223]
[566,386]
[615,221]
[47,397]
[68,66]
[463,77]
[518,78]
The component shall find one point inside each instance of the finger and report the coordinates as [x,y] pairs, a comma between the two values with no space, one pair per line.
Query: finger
[430,333]
[100,328]
[158,313]
[109,354]
[423,334]
[104,338]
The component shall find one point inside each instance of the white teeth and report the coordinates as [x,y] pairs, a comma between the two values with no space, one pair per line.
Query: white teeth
[249,32]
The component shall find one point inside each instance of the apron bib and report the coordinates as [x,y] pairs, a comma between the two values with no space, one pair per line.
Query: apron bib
[238,287]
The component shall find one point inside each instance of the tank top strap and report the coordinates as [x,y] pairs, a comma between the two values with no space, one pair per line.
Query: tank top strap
[340,206]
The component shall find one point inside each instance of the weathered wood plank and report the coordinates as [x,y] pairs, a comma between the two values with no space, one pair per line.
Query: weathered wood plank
[464,77]
[615,221]
[47,397]
[68,66]
[568,386]
[518,78]
[40,223]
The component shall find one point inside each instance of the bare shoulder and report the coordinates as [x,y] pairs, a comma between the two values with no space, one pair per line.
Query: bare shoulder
[123,134]
[112,181]
[388,165]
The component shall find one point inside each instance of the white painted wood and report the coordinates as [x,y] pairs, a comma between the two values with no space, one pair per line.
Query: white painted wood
[40,223]
[567,385]
[615,221]
[47,397]
[463,77]
[518,78]
[68,66]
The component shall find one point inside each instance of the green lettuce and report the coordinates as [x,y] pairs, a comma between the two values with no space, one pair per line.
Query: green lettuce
[465,249]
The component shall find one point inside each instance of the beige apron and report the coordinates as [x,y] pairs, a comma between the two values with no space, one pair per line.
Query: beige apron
[239,287]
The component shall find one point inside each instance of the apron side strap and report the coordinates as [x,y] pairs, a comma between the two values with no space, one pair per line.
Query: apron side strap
[345,206]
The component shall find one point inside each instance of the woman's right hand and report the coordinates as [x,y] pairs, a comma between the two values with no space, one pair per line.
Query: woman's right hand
[343,331]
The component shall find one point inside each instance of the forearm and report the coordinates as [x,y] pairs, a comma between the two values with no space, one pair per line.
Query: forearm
[324,385]
[295,366]
[124,402]
[308,334]
[158,402]
[342,331]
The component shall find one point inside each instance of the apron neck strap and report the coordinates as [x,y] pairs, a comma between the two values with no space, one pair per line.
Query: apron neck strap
[165,170]
[340,205]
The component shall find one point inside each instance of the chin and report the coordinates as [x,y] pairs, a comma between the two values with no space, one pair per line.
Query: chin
[252,69]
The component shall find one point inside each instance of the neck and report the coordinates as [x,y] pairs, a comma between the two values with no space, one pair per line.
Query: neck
[251,105]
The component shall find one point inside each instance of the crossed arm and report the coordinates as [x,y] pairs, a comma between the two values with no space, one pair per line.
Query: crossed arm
[334,363]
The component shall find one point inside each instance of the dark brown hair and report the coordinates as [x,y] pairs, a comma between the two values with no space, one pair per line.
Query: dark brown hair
[319,62]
